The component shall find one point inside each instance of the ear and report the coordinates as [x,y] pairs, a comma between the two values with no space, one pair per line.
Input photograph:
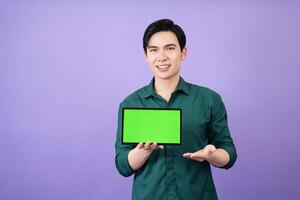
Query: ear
[183,53]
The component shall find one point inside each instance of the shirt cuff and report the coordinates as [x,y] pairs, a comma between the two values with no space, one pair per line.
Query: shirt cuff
[123,164]
[232,156]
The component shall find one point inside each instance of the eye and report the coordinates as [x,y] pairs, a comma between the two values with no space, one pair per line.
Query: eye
[171,48]
[152,50]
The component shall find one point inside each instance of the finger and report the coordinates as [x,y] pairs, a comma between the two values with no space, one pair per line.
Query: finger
[211,148]
[147,145]
[153,146]
[195,156]
[192,157]
[188,155]
[160,147]
[140,145]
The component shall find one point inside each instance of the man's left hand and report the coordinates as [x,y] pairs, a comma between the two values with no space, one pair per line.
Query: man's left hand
[202,154]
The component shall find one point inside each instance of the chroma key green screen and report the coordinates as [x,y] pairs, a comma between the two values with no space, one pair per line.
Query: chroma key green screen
[162,126]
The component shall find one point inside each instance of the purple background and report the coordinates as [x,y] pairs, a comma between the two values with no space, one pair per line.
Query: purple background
[66,65]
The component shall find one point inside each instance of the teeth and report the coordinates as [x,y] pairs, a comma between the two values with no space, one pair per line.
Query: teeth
[162,66]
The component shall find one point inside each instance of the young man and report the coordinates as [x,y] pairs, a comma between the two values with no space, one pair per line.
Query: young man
[175,171]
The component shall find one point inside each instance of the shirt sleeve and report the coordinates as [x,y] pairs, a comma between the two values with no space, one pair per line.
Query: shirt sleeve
[122,150]
[219,131]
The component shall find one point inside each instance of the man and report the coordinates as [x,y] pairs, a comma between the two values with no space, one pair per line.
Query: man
[175,171]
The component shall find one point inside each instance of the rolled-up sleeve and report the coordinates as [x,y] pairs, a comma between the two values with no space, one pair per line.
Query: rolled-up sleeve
[122,150]
[219,131]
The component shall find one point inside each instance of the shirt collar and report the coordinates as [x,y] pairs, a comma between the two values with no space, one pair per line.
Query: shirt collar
[182,86]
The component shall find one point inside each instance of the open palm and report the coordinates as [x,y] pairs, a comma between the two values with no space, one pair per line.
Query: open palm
[202,154]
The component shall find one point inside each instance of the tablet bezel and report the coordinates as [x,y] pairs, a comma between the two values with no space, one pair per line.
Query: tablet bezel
[139,108]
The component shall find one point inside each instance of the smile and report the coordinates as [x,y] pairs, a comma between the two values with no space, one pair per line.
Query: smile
[163,67]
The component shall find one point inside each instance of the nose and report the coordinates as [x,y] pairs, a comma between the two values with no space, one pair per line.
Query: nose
[161,56]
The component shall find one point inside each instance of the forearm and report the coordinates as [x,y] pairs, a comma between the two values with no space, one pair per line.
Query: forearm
[218,158]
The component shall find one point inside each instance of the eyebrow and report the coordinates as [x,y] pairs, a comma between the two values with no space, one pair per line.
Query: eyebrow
[167,45]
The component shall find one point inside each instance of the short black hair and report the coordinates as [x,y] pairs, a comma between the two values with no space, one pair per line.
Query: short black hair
[164,25]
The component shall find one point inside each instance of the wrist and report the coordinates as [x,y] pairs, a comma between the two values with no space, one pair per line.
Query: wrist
[137,157]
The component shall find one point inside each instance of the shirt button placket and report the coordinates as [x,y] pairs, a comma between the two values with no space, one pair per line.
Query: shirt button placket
[171,173]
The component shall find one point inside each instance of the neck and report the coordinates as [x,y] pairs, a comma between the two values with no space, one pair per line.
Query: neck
[165,87]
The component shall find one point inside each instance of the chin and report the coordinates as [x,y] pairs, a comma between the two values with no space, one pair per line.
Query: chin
[165,76]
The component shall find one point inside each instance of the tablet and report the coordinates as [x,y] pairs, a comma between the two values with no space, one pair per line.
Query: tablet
[157,125]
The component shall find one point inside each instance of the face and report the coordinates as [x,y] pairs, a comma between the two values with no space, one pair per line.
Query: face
[164,55]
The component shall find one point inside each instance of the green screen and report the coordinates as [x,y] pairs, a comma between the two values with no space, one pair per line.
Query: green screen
[151,125]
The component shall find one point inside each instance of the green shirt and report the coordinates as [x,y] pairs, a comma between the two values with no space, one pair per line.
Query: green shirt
[167,174]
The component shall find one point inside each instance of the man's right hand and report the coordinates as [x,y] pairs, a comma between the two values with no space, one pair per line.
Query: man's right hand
[139,155]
